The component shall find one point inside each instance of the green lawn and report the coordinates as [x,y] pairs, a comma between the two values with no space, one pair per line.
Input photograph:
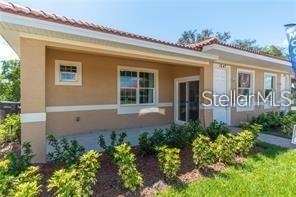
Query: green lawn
[270,173]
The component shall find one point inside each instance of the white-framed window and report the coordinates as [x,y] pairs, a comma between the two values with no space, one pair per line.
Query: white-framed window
[245,88]
[68,73]
[269,88]
[137,86]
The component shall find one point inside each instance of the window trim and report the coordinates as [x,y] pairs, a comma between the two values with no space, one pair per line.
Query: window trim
[137,69]
[78,65]
[267,106]
[247,71]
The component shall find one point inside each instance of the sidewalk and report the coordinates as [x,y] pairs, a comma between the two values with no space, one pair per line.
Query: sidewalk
[279,141]
[271,139]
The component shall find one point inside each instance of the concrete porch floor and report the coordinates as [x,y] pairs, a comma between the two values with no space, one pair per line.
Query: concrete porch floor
[90,140]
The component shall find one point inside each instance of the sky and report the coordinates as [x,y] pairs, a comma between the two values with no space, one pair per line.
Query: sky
[166,20]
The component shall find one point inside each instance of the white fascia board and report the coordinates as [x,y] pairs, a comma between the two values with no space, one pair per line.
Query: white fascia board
[68,29]
[245,53]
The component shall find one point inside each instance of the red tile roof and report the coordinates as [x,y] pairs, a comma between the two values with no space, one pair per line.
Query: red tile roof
[39,14]
[200,45]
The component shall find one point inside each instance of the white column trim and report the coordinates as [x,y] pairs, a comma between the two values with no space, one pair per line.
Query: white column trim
[33,117]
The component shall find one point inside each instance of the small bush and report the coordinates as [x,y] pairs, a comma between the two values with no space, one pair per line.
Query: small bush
[77,180]
[169,160]
[148,144]
[24,184]
[191,130]
[203,154]
[268,120]
[114,142]
[288,122]
[19,163]
[64,152]
[256,130]
[244,141]
[128,172]
[245,125]
[215,129]
[224,149]
[175,137]
[10,129]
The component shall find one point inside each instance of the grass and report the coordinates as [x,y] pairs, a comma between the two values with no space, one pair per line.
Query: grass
[269,173]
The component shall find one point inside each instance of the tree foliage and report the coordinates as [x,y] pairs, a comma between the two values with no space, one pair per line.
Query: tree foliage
[10,80]
[194,36]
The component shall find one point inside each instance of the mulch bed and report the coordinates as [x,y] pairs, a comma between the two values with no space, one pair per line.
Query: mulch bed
[110,184]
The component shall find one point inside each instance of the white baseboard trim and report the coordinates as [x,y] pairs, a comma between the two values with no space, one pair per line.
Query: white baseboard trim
[98,107]
[33,117]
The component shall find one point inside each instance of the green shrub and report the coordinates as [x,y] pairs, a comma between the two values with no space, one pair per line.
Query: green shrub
[244,141]
[114,142]
[19,163]
[288,122]
[149,143]
[169,160]
[191,130]
[224,149]
[128,172]
[203,154]
[10,129]
[79,179]
[268,120]
[215,129]
[25,184]
[256,130]
[175,137]
[245,125]
[64,152]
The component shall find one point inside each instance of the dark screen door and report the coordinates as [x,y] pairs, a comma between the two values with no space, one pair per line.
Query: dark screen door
[188,101]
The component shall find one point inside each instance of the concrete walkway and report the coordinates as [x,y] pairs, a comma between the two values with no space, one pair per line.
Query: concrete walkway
[271,139]
[279,141]
[90,140]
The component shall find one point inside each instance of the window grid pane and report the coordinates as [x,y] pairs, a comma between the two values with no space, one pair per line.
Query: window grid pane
[146,96]
[244,80]
[128,96]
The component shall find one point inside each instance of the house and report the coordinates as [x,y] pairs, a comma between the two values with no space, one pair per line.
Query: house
[78,77]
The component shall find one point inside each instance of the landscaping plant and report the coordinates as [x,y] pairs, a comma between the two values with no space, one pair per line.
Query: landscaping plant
[203,153]
[149,143]
[215,129]
[19,163]
[27,183]
[64,152]
[10,129]
[244,141]
[114,142]
[224,149]
[268,120]
[128,172]
[169,160]
[288,122]
[77,180]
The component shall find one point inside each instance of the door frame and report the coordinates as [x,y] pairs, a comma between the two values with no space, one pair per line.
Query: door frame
[176,94]
[228,88]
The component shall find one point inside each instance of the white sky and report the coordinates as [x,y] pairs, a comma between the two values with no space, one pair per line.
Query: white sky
[6,52]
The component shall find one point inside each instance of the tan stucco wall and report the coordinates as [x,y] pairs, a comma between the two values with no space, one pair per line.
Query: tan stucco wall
[33,95]
[237,117]
[99,87]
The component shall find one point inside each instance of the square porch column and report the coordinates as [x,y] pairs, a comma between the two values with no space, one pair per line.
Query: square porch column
[33,114]
[206,83]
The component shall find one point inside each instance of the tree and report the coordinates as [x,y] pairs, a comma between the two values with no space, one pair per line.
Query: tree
[246,44]
[193,36]
[10,80]
[274,50]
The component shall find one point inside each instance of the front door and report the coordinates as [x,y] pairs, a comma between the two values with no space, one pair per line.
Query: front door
[187,100]
[221,86]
